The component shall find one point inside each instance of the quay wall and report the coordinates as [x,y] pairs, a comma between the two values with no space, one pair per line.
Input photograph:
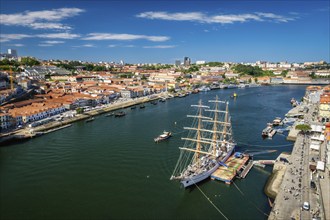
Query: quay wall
[26,133]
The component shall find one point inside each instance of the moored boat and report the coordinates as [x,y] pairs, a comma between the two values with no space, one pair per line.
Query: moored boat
[269,131]
[277,121]
[120,114]
[109,114]
[164,136]
[90,119]
[208,145]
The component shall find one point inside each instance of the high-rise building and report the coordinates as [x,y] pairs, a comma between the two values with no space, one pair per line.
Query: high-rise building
[177,63]
[186,61]
[12,53]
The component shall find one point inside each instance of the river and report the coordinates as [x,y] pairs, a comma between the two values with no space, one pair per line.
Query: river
[112,169]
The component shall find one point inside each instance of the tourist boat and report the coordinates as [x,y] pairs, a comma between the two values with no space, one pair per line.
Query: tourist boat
[268,131]
[164,136]
[208,145]
[90,119]
[277,121]
[120,114]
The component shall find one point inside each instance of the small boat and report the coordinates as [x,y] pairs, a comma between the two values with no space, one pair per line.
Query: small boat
[120,114]
[164,136]
[109,114]
[268,131]
[162,100]
[133,107]
[90,119]
[153,103]
[204,89]
[195,91]
[234,95]
[277,121]
[142,106]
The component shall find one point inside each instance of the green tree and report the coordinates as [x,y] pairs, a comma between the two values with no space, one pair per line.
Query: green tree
[80,110]
[284,73]
[29,61]
[303,127]
[249,70]
[313,75]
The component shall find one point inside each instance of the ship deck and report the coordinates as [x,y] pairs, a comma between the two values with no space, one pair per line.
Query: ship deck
[228,174]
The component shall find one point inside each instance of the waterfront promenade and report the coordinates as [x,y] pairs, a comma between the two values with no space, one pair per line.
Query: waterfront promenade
[121,104]
[296,187]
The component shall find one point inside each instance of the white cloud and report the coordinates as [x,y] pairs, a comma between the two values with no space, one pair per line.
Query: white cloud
[59,35]
[188,16]
[45,45]
[53,42]
[85,45]
[110,36]
[160,46]
[9,37]
[221,18]
[40,19]
[16,45]
[274,17]
[112,45]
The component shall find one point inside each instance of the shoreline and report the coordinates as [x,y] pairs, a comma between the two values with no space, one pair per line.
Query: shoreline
[27,133]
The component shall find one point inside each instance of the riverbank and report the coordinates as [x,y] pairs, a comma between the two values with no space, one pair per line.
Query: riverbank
[26,133]
[273,184]
[300,180]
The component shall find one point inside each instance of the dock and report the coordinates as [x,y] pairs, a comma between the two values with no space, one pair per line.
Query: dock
[235,166]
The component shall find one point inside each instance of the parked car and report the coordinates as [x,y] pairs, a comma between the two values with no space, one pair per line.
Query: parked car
[313,185]
[306,206]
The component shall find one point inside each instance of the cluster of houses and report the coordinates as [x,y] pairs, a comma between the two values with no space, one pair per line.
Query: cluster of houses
[62,91]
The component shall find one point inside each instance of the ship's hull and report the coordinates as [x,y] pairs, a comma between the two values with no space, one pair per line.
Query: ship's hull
[200,177]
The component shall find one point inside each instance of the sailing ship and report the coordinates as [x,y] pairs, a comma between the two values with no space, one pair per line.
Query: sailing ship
[208,145]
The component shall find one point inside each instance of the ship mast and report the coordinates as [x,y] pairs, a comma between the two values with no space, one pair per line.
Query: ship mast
[226,121]
[198,144]
[214,137]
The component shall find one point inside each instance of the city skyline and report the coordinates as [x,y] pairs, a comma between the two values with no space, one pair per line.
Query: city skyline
[162,32]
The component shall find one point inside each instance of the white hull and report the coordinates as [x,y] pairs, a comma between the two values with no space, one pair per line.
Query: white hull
[198,178]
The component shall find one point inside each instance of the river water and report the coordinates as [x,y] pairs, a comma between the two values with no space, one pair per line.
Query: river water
[112,169]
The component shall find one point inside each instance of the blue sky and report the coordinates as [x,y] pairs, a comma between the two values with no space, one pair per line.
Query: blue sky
[164,31]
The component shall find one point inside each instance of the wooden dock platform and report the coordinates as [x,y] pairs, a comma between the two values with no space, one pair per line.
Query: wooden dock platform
[234,165]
